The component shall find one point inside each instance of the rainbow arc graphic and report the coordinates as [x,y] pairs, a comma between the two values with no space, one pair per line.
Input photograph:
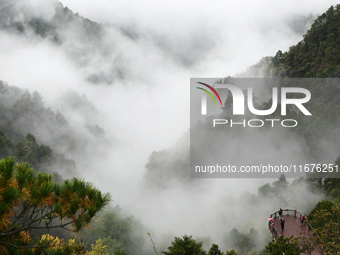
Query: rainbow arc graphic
[204,100]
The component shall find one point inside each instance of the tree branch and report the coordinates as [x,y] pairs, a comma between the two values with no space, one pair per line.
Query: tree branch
[21,247]
[34,227]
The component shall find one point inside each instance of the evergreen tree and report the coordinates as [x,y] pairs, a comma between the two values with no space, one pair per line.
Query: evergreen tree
[185,245]
[30,201]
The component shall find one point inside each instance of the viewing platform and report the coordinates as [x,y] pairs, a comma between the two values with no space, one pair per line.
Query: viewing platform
[292,226]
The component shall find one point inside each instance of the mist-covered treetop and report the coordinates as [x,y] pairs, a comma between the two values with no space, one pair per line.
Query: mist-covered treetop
[318,54]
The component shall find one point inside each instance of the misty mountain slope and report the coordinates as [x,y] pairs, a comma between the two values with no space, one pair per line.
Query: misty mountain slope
[318,54]
[42,158]
[22,112]
[166,167]
[103,53]
[109,53]
[47,23]
[313,139]
[83,41]
[60,54]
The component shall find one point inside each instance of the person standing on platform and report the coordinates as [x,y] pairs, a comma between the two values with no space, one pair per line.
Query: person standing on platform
[303,219]
[270,224]
[282,221]
[280,213]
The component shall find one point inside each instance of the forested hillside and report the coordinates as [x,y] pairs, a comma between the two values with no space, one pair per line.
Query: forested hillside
[79,38]
[316,56]
[29,128]
[42,213]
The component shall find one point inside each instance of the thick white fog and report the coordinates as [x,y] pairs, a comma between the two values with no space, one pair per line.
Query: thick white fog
[148,51]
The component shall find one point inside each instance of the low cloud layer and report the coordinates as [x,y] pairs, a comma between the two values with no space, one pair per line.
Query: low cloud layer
[135,70]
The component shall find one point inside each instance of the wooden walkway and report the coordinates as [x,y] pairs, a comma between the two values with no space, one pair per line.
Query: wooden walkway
[292,225]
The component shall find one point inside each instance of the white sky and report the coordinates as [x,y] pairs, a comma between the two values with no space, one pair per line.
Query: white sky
[244,30]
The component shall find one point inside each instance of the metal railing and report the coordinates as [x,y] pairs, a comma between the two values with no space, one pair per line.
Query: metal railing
[294,213]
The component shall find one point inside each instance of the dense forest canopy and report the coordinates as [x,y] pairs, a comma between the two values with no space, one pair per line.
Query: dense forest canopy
[317,55]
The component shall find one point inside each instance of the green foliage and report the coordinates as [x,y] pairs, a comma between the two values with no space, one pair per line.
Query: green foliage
[242,242]
[214,250]
[51,245]
[114,247]
[275,189]
[98,249]
[185,245]
[22,112]
[332,185]
[326,228]
[284,245]
[317,55]
[121,234]
[281,184]
[6,146]
[166,165]
[266,190]
[41,157]
[29,151]
[327,183]
[30,201]
[231,252]
[323,205]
